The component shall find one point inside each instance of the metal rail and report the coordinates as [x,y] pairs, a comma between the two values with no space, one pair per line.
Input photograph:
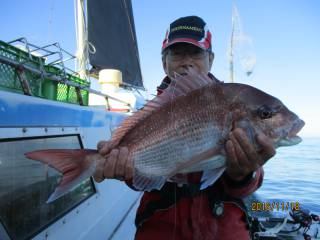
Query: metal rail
[55,78]
[54,51]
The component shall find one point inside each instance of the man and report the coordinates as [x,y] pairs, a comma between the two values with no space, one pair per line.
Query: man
[183,211]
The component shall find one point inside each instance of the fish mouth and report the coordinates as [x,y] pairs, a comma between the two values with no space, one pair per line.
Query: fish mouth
[297,126]
[292,138]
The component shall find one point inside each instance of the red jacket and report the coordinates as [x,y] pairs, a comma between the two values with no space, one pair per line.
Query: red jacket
[191,218]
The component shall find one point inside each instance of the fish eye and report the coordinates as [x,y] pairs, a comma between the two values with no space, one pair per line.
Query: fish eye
[265,112]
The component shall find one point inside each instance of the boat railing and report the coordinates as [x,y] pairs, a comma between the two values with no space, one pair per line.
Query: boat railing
[53,54]
[44,72]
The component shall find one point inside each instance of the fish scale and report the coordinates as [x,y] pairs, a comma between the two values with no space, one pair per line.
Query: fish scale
[156,153]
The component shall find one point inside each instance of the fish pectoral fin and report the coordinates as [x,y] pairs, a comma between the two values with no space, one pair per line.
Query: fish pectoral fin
[210,176]
[211,152]
[147,183]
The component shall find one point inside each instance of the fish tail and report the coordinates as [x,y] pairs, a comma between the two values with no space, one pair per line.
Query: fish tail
[72,163]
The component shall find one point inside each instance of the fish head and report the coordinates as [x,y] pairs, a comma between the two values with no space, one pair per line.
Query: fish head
[268,114]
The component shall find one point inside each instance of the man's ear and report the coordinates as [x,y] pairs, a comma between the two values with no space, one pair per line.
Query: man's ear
[164,64]
[211,58]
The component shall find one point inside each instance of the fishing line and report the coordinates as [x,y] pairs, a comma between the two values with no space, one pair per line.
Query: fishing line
[175,127]
[172,97]
[175,212]
[177,132]
[200,207]
[237,95]
[49,32]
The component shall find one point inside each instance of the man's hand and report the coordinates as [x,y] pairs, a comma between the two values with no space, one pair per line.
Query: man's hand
[114,164]
[242,157]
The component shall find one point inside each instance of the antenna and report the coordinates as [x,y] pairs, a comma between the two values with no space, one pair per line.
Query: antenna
[82,39]
[241,47]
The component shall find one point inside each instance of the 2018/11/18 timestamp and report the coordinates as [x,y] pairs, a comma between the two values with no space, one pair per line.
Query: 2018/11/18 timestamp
[275,206]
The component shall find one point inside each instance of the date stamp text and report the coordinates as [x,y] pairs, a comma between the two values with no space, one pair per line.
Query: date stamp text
[274,206]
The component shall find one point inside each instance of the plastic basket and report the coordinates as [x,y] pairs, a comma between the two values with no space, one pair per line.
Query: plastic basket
[45,88]
[9,80]
[63,92]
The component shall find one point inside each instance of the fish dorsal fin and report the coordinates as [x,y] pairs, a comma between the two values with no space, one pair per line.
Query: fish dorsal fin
[136,117]
[180,86]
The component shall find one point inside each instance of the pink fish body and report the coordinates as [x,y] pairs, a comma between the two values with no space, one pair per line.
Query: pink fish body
[184,130]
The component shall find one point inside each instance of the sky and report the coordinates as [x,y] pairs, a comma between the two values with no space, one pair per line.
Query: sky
[285,36]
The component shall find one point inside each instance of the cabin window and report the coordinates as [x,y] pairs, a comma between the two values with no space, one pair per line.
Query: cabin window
[25,186]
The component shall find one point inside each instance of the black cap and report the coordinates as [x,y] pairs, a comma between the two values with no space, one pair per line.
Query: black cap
[191,29]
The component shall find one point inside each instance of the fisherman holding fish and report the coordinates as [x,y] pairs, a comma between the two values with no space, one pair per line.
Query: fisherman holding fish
[183,211]
[196,149]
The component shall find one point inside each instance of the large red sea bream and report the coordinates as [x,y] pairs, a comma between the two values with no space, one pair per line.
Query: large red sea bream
[183,130]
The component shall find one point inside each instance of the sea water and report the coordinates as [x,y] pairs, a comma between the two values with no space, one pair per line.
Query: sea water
[292,177]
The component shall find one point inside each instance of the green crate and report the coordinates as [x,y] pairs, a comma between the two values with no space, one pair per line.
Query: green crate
[44,88]
[9,80]
[20,55]
[62,92]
